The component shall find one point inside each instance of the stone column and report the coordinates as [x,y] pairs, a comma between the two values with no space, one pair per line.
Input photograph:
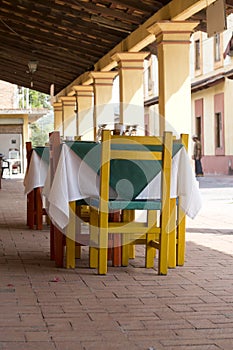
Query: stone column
[131,66]
[84,98]
[103,106]
[173,45]
[58,125]
[69,115]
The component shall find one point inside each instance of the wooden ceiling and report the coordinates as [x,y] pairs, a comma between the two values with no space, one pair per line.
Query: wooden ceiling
[66,38]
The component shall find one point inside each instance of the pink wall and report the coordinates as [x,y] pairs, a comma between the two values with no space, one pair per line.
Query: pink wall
[217,165]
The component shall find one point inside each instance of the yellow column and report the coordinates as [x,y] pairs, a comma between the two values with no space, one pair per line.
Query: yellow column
[58,125]
[84,98]
[173,45]
[69,115]
[131,66]
[103,106]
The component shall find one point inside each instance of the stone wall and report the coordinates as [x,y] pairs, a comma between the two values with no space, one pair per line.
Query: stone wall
[7,95]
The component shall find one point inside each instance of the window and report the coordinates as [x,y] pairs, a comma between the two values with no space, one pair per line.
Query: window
[150,77]
[218,123]
[198,128]
[197,55]
[199,116]
[217,50]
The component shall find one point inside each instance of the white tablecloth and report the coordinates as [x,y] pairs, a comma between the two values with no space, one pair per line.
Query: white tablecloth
[75,180]
[36,174]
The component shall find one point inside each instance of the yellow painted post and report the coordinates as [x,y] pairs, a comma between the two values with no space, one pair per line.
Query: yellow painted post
[131,246]
[181,226]
[150,236]
[166,183]
[104,197]
[93,250]
[70,237]
[172,235]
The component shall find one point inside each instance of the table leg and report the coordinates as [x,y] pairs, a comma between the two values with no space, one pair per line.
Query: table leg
[58,247]
[39,209]
[30,209]
[52,249]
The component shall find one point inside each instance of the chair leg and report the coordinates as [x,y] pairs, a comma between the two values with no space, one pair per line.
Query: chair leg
[70,238]
[150,236]
[93,250]
[132,253]
[116,249]
[172,235]
[103,242]
[181,230]
[78,249]
[102,262]
[163,251]
[128,249]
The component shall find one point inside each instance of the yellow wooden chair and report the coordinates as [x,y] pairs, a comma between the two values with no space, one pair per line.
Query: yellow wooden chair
[181,218]
[176,238]
[148,151]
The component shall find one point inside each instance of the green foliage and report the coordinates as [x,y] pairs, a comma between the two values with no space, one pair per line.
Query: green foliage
[40,130]
[38,100]
[34,99]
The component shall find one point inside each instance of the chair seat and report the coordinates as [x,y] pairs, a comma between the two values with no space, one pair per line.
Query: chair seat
[129,205]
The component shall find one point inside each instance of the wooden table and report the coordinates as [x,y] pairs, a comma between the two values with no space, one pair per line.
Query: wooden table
[77,178]
[37,170]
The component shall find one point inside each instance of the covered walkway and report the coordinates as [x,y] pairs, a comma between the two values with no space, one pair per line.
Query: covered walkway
[42,307]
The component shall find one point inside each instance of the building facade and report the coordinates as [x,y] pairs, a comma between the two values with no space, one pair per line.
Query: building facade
[212,94]
[211,71]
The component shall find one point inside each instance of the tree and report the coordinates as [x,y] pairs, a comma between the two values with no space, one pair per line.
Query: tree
[40,130]
[38,100]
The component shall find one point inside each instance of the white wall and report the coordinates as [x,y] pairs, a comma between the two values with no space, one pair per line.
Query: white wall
[6,143]
[208,50]
[228,117]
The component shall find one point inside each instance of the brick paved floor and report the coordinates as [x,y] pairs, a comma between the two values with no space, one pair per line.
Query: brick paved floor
[42,307]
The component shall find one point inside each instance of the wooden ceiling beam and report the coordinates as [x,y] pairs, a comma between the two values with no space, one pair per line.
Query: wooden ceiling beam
[140,38]
[73,27]
[33,35]
[140,6]
[105,11]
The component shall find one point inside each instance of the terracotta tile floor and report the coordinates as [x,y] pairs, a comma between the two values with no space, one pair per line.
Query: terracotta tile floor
[43,307]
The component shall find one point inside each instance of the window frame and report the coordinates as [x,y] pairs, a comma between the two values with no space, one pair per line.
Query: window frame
[198,60]
[219,135]
[218,46]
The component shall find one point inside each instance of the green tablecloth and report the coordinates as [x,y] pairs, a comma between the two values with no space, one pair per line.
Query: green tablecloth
[128,178]
[43,152]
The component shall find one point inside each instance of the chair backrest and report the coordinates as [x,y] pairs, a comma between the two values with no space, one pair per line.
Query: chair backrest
[184,139]
[13,154]
[137,151]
